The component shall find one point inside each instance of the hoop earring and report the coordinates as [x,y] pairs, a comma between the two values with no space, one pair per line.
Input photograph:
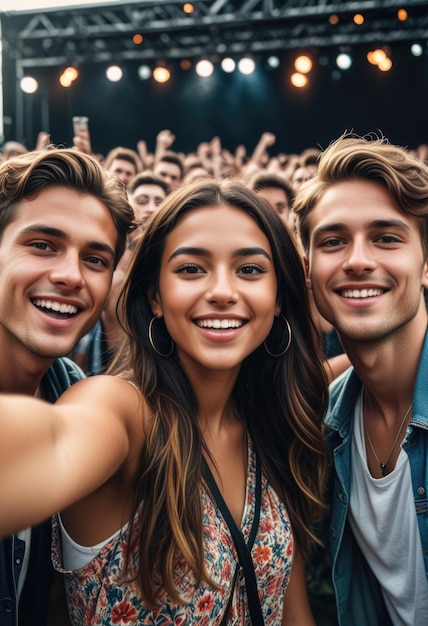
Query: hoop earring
[288,343]
[152,343]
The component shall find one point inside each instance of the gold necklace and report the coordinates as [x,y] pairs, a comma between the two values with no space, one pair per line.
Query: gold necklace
[383,465]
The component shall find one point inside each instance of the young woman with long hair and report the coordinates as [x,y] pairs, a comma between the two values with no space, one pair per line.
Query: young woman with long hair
[190,479]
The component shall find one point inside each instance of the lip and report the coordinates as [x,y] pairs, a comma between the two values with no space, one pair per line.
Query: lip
[58,310]
[214,327]
[360,295]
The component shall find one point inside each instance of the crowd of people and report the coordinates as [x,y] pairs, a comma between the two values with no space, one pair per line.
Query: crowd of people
[213,380]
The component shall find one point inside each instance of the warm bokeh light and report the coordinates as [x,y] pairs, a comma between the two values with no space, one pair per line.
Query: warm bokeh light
[303,64]
[376,56]
[246,66]
[385,65]
[402,15]
[114,73]
[29,84]
[358,19]
[299,80]
[137,39]
[204,68]
[161,74]
[333,19]
[68,76]
[188,8]
[228,65]
[185,64]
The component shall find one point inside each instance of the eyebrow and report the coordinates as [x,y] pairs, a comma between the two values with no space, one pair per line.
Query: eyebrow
[60,234]
[339,227]
[241,252]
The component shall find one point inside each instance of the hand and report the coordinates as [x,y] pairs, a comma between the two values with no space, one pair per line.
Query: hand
[82,141]
[267,139]
[164,140]
[43,140]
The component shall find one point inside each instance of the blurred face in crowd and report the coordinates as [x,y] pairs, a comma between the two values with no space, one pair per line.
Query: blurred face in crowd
[123,169]
[146,199]
[278,199]
[170,172]
[300,176]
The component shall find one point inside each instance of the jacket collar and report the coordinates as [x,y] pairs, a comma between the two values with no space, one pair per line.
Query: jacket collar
[345,389]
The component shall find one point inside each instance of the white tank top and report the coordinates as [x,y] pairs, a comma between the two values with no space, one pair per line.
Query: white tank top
[383,519]
[75,556]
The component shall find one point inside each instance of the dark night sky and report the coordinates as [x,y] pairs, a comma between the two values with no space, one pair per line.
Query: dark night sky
[239,108]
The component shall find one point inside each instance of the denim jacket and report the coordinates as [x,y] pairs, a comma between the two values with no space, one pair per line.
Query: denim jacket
[34,602]
[358,596]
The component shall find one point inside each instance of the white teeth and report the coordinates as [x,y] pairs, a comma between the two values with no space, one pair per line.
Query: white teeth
[219,323]
[58,307]
[361,293]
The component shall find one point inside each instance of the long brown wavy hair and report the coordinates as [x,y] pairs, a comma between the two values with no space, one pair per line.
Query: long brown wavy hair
[281,400]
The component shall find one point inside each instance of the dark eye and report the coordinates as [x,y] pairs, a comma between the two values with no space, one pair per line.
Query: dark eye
[96,260]
[251,269]
[331,243]
[387,239]
[41,245]
[188,268]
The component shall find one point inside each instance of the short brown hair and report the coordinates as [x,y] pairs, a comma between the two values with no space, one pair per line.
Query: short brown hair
[372,158]
[26,175]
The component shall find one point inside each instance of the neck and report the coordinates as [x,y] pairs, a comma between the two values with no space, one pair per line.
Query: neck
[388,367]
[21,373]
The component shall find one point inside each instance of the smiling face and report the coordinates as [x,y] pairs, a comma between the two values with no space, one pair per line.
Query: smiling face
[365,262]
[54,274]
[217,288]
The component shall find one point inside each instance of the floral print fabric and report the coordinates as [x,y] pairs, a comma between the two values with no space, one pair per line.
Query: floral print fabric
[96,597]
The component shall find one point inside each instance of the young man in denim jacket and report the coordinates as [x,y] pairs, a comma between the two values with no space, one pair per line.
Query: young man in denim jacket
[63,227]
[363,221]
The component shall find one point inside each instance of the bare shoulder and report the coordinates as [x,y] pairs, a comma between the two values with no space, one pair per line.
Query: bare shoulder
[107,395]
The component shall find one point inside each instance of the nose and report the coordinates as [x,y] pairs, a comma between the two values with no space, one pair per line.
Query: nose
[151,206]
[67,271]
[222,288]
[359,257]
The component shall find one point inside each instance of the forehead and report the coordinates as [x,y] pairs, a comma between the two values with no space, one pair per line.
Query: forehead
[273,193]
[166,166]
[149,189]
[219,227]
[353,204]
[122,164]
[66,210]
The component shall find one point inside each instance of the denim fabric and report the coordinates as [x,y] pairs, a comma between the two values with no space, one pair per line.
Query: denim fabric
[358,596]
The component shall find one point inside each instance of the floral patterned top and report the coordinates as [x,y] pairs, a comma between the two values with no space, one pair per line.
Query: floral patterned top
[95,595]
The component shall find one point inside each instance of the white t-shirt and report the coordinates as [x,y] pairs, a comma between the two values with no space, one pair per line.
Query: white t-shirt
[383,519]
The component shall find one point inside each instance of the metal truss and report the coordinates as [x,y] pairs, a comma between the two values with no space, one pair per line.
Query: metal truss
[221,27]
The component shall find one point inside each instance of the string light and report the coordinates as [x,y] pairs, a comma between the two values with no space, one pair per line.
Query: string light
[161,74]
[303,64]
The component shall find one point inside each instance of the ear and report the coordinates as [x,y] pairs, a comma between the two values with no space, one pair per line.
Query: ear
[306,266]
[155,302]
[277,312]
[425,274]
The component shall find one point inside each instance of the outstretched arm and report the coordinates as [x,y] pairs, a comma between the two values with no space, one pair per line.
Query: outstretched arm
[53,455]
